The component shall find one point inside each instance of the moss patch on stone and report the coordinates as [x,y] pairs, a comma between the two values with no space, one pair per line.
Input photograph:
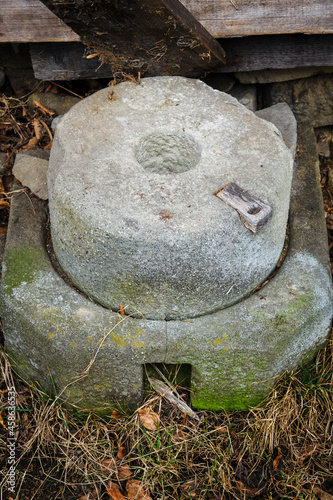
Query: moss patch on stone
[21,266]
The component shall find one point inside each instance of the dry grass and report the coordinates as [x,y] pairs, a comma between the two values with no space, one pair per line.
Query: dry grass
[282,450]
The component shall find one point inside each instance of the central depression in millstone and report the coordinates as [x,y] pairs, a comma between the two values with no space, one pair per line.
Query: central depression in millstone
[134,217]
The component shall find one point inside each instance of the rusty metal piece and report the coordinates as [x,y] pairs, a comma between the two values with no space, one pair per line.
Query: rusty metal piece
[254,213]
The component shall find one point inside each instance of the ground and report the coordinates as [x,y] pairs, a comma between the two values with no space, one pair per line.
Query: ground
[280,450]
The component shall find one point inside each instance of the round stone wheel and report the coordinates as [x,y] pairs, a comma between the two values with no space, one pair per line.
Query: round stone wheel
[135,220]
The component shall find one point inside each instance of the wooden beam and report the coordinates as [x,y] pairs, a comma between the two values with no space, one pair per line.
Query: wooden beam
[31,21]
[229,18]
[65,61]
[279,51]
[56,61]
[137,36]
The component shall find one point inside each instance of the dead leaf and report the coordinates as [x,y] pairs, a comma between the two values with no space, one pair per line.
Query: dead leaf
[223,430]
[114,492]
[93,494]
[31,144]
[322,494]
[276,463]
[250,491]
[4,205]
[37,128]
[107,464]
[135,490]
[90,56]
[121,452]
[2,421]
[189,488]
[122,310]
[149,419]
[124,471]
[117,414]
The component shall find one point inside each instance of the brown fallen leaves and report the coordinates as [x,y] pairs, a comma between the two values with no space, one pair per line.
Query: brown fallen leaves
[134,491]
[149,419]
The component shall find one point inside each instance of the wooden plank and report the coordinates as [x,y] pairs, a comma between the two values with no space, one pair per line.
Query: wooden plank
[56,61]
[135,36]
[229,18]
[65,61]
[254,213]
[280,51]
[30,21]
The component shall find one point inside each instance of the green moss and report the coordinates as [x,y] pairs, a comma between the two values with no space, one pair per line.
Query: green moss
[128,339]
[21,265]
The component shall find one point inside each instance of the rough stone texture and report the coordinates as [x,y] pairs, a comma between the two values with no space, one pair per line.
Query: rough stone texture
[311,99]
[246,95]
[3,161]
[55,122]
[49,325]
[31,172]
[133,214]
[284,119]
[58,103]
[280,75]
[235,353]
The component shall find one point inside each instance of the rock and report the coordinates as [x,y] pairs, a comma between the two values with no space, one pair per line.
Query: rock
[324,149]
[310,99]
[280,75]
[55,122]
[3,161]
[284,119]
[31,172]
[134,216]
[235,354]
[54,102]
[246,95]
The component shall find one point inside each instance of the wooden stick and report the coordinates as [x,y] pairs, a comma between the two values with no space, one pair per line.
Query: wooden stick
[165,391]
[254,213]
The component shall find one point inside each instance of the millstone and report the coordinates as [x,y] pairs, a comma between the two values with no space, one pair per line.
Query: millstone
[132,182]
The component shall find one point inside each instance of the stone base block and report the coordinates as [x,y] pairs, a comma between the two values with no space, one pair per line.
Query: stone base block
[96,357]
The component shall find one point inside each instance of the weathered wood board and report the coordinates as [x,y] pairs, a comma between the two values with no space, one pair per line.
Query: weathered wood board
[277,51]
[31,21]
[228,18]
[137,36]
[65,61]
[56,61]
[254,213]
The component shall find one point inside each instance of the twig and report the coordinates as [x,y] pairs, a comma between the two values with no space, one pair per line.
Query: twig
[165,391]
